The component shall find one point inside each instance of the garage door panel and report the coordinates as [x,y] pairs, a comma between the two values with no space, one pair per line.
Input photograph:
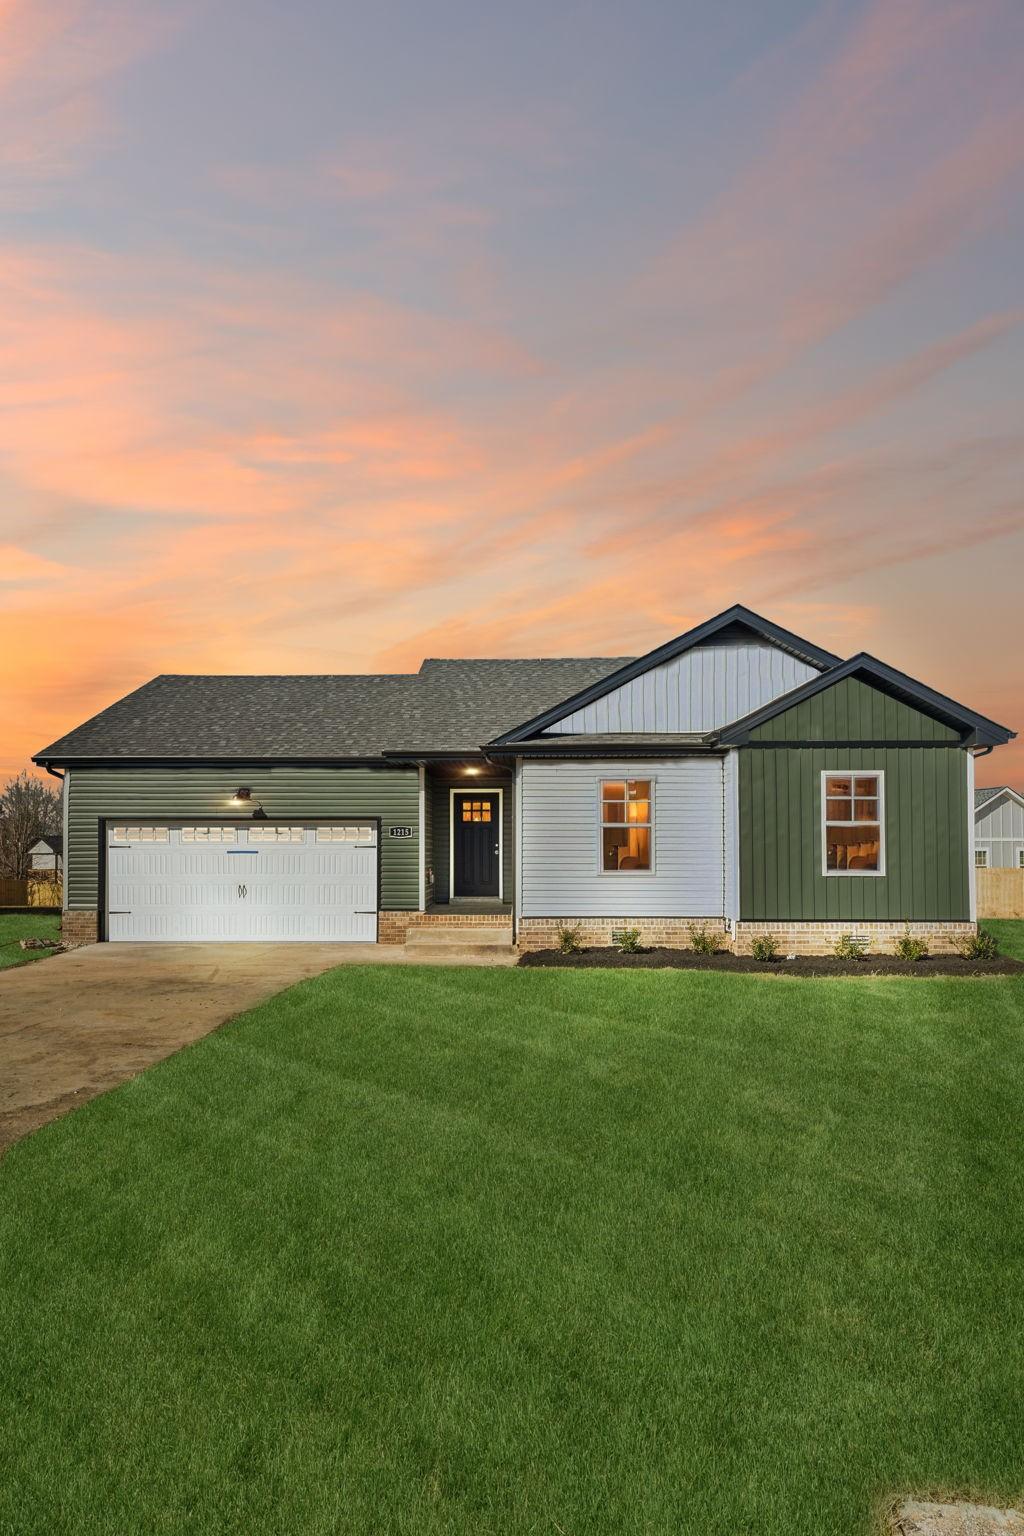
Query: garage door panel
[180,890]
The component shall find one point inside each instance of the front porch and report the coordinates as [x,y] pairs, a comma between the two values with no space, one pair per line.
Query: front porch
[471,907]
[470,840]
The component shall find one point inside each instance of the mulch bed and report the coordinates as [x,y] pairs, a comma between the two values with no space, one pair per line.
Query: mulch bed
[804,965]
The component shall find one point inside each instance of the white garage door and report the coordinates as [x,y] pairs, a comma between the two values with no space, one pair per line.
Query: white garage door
[259,881]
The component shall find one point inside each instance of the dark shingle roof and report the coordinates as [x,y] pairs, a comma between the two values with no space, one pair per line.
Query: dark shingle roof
[446,706]
[983,796]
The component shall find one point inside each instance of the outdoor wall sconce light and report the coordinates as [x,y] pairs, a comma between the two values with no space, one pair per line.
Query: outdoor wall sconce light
[243,797]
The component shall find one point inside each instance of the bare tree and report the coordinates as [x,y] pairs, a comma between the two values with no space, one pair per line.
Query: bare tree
[28,809]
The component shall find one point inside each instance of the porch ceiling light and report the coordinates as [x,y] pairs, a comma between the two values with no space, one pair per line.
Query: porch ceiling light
[471,770]
[241,796]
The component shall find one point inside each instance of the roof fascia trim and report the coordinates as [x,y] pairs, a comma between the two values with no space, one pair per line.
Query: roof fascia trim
[44,760]
[992,799]
[981,729]
[737,614]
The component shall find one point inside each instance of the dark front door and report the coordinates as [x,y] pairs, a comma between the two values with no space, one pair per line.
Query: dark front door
[477,835]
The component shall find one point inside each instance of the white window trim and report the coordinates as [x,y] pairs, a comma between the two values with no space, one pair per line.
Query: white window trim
[479,790]
[631,874]
[1020,857]
[984,853]
[851,774]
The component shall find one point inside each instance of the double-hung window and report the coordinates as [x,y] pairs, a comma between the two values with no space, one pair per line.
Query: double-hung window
[853,836]
[627,824]
[981,858]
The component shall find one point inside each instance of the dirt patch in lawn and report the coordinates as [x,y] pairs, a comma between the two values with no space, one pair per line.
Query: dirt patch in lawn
[803,965]
[917,1519]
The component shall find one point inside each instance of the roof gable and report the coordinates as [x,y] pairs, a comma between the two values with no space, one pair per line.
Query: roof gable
[869,701]
[734,623]
[986,799]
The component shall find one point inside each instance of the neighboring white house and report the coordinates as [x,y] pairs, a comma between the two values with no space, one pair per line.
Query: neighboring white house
[48,853]
[998,828]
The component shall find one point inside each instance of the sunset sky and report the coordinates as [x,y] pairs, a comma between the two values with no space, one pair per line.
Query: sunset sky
[333,336]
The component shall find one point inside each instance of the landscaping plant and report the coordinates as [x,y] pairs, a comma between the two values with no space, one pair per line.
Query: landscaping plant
[703,942]
[569,940]
[909,948]
[628,942]
[978,946]
[849,948]
[765,947]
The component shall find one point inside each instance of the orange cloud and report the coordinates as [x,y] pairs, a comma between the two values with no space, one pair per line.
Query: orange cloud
[242,463]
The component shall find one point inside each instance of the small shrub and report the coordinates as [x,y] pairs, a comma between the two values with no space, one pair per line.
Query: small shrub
[628,942]
[701,941]
[978,946]
[569,941]
[848,948]
[909,948]
[765,947]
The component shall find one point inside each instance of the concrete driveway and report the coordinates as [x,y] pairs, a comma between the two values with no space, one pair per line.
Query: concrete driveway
[75,1025]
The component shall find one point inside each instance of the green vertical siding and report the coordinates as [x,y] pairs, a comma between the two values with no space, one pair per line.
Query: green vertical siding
[853,711]
[155,793]
[925,794]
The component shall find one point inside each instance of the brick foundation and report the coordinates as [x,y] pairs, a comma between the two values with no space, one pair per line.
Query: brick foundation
[394,926]
[459,919]
[820,938]
[596,932]
[793,938]
[79,927]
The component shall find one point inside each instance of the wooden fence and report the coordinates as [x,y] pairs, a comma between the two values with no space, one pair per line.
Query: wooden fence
[1000,892]
[38,891]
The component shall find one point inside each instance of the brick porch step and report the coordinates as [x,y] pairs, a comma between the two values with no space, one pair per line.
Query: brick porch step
[478,935]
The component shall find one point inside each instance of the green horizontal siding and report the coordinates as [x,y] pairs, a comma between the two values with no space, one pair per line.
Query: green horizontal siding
[926,852]
[168,793]
[853,711]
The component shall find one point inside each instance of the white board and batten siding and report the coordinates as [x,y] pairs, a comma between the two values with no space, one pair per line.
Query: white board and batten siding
[560,832]
[999,831]
[700,690]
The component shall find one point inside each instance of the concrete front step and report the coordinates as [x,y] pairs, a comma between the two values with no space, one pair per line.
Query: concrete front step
[459,936]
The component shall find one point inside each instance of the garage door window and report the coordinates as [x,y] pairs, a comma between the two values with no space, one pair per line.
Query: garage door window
[361,835]
[277,834]
[208,834]
[140,835]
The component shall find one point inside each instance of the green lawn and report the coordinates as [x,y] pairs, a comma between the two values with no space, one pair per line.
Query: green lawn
[422,1251]
[1008,934]
[25,925]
